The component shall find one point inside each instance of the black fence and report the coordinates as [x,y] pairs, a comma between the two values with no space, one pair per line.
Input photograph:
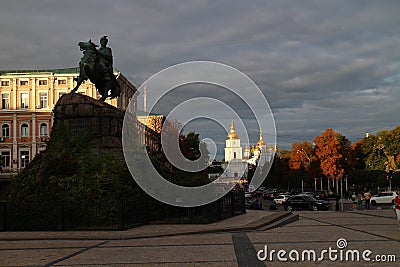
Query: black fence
[117,215]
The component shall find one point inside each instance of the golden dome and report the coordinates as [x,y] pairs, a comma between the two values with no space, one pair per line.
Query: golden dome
[247,149]
[252,148]
[260,142]
[232,134]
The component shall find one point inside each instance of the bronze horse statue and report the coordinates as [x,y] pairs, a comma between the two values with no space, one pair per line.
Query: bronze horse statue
[96,65]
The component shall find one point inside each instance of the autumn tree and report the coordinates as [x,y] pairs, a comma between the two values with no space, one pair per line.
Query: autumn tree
[301,155]
[329,152]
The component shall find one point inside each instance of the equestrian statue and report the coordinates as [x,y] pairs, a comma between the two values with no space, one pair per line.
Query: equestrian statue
[97,66]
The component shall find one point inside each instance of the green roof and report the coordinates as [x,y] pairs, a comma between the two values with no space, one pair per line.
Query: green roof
[56,71]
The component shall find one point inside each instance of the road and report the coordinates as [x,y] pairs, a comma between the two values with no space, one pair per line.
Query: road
[374,230]
[347,206]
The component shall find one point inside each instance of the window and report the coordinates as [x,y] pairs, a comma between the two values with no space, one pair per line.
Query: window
[23,83]
[43,129]
[234,155]
[24,158]
[5,83]
[43,100]
[62,82]
[24,130]
[5,101]
[5,158]
[42,82]
[24,100]
[5,130]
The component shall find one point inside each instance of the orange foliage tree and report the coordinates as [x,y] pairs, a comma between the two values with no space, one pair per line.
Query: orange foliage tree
[301,155]
[328,150]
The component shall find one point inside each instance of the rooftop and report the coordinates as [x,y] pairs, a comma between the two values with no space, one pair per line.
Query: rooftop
[56,71]
[42,71]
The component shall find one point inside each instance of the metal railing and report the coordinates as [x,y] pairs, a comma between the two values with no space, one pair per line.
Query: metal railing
[114,215]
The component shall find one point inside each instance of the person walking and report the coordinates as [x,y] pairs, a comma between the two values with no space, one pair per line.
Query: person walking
[397,206]
[354,200]
[367,197]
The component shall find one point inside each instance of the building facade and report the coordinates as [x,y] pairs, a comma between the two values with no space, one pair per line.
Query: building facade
[233,150]
[236,164]
[27,99]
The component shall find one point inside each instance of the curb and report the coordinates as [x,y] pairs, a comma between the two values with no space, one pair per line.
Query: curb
[286,220]
[264,223]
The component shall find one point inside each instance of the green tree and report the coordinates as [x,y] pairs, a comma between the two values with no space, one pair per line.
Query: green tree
[345,149]
[380,148]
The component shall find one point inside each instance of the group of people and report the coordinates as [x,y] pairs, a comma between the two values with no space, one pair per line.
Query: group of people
[358,198]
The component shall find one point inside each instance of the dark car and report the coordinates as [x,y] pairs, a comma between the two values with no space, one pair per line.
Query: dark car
[333,196]
[304,202]
[321,194]
[295,191]
[269,194]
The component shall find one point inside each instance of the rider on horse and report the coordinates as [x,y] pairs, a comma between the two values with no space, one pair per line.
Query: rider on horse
[97,65]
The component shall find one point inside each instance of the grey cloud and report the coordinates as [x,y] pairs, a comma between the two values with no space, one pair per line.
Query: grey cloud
[319,63]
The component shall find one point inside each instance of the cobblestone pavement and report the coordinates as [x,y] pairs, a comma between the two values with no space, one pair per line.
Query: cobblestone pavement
[374,230]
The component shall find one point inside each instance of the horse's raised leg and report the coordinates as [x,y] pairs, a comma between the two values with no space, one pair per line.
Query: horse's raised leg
[79,81]
[103,97]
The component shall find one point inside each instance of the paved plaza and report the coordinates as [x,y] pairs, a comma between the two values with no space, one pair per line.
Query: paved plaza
[220,244]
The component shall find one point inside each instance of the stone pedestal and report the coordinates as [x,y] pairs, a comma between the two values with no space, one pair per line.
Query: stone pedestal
[81,113]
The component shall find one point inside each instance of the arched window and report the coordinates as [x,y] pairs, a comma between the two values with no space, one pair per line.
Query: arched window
[24,130]
[5,130]
[43,129]
[234,155]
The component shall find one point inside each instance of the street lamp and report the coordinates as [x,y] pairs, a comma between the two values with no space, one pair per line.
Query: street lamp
[308,165]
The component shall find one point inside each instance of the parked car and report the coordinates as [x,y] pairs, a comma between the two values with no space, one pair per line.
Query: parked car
[260,190]
[384,198]
[283,192]
[304,202]
[269,194]
[308,193]
[295,191]
[280,199]
[321,194]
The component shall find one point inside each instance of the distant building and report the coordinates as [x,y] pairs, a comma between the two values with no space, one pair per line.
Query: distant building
[27,98]
[233,150]
[234,165]
[151,120]
[237,163]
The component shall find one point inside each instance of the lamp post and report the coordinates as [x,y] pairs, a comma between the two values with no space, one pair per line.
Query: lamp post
[308,165]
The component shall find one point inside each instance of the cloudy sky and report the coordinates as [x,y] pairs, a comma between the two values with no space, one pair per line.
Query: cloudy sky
[319,63]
